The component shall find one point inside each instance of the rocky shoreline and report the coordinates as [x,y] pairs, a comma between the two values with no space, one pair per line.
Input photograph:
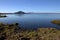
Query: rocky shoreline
[13,32]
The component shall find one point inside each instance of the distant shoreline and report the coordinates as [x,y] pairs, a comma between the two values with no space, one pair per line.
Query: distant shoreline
[29,13]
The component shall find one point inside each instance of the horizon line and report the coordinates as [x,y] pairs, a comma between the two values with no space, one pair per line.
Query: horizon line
[30,12]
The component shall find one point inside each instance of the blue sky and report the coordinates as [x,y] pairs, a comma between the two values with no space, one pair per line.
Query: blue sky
[30,6]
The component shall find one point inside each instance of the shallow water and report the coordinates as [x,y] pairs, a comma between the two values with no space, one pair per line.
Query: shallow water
[32,21]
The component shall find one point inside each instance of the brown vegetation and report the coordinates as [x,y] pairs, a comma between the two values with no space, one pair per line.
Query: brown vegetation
[12,32]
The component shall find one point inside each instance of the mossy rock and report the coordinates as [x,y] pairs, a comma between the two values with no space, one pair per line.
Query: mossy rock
[56,22]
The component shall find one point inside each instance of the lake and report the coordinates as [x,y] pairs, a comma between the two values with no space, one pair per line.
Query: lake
[32,21]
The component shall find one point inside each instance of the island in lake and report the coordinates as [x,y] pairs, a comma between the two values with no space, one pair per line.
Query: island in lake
[2,16]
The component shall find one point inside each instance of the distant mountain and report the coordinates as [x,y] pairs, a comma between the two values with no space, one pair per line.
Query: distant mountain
[20,12]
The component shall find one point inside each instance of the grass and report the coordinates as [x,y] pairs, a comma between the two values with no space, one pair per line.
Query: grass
[12,32]
[57,22]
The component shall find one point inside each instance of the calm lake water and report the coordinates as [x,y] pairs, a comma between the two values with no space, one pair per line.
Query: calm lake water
[32,21]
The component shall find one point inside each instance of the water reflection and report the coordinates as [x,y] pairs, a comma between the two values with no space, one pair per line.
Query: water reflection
[19,14]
